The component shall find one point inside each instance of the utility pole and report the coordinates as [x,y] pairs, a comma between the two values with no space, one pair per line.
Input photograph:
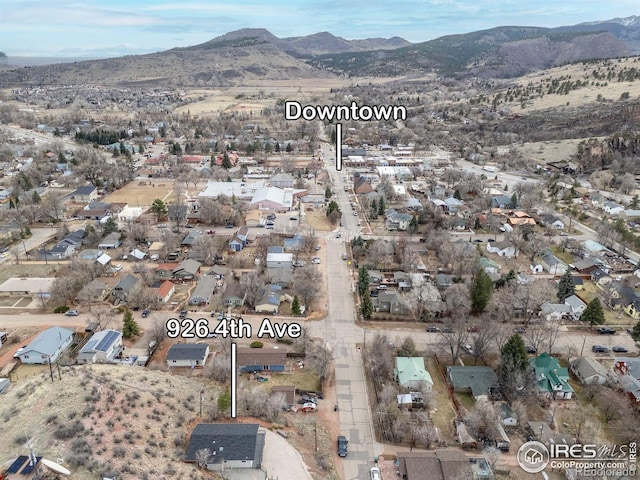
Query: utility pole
[50,369]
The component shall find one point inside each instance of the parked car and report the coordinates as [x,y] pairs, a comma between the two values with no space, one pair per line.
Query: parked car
[146,312]
[520,330]
[447,330]
[432,329]
[221,316]
[344,256]
[338,235]
[530,349]
[183,314]
[473,329]
[270,227]
[374,474]
[317,247]
[619,349]
[599,349]
[271,216]
[342,446]
[19,351]
[71,313]
[374,293]
[606,331]
[315,260]
[210,232]
[293,218]
[229,225]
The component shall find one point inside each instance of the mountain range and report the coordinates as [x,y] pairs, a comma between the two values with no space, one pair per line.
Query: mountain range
[257,54]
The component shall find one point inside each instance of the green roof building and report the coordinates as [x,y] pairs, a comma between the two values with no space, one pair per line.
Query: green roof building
[410,373]
[552,379]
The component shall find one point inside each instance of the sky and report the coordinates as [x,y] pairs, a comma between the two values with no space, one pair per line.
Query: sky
[103,28]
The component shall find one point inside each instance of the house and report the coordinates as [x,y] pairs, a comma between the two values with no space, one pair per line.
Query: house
[203,291]
[47,346]
[294,244]
[411,373]
[165,290]
[628,370]
[503,202]
[253,218]
[124,288]
[587,265]
[110,241]
[576,304]
[443,280]
[187,270]
[600,277]
[165,270]
[191,239]
[502,249]
[282,180]
[102,347]
[578,283]
[234,294]
[361,185]
[85,194]
[596,199]
[228,446]
[588,370]
[441,464]
[557,225]
[287,392]
[94,291]
[188,355]
[554,312]
[397,221]
[612,208]
[552,379]
[402,281]
[236,244]
[261,359]
[553,264]
[488,265]
[391,302]
[137,254]
[269,301]
[477,380]
[34,287]
[279,260]
[280,276]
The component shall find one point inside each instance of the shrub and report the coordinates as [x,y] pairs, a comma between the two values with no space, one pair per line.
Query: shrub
[70,430]
[61,309]
[256,344]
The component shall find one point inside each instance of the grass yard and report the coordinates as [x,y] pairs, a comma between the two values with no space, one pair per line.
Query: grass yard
[442,411]
[318,220]
[142,193]
[302,379]
[27,270]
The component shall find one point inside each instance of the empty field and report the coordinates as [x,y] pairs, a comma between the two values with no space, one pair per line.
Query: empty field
[138,195]
[27,270]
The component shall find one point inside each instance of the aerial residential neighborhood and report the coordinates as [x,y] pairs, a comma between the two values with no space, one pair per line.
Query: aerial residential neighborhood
[194,285]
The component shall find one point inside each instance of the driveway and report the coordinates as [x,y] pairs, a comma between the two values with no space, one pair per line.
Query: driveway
[280,460]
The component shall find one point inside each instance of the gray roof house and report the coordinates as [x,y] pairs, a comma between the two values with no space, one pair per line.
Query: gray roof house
[47,346]
[94,291]
[280,276]
[576,304]
[187,269]
[502,201]
[203,291]
[588,370]
[124,286]
[553,264]
[477,380]
[110,241]
[188,355]
[555,311]
[85,194]
[234,295]
[397,221]
[391,302]
[230,445]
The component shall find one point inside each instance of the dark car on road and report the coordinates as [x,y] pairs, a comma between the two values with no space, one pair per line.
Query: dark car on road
[183,314]
[342,446]
[599,349]
[146,312]
[606,331]
[432,328]
[619,349]
[520,330]
[530,349]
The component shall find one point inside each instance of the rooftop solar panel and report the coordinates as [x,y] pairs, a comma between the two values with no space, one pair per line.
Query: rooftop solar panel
[89,346]
[17,464]
[29,468]
[106,342]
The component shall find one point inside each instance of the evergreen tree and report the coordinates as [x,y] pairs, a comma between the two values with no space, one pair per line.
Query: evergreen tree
[366,307]
[635,333]
[327,192]
[480,292]
[566,287]
[513,354]
[141,149]
[381,206]
[593,314]
[110,226]
[226,162]
[289,148]
[129,325]
[295,306]
[277,149]
[413,225]
[514,200]
[456,194]
[224,401]
[363,281]
[35,198]
[158,208]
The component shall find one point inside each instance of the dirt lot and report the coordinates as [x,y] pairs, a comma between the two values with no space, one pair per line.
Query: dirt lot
[27,270]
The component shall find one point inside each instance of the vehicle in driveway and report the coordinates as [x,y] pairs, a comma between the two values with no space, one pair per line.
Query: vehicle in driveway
[520,330]
[294,218]
[146,312]
[432,329]
[19,351]
[342,446]
[71,313]
[599,349]
[374,474]
[530,349]
[183,314]
[344,256]
[315,260]
[374,293]
[606,331]
[271,216]
[619,349]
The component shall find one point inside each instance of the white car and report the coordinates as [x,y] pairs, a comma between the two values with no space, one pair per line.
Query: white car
[375,473]
[118,267]
[315,260]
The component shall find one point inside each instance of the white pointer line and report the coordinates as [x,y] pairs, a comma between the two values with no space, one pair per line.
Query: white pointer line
[234,380]
[338,146]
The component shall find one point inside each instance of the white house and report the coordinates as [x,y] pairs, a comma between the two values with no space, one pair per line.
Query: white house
[47,346]
[279,260]
[558,225]
[553,264]
[612,208]
[102,347]
[577,305]
[588,370]
[555,311]
[502,249]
